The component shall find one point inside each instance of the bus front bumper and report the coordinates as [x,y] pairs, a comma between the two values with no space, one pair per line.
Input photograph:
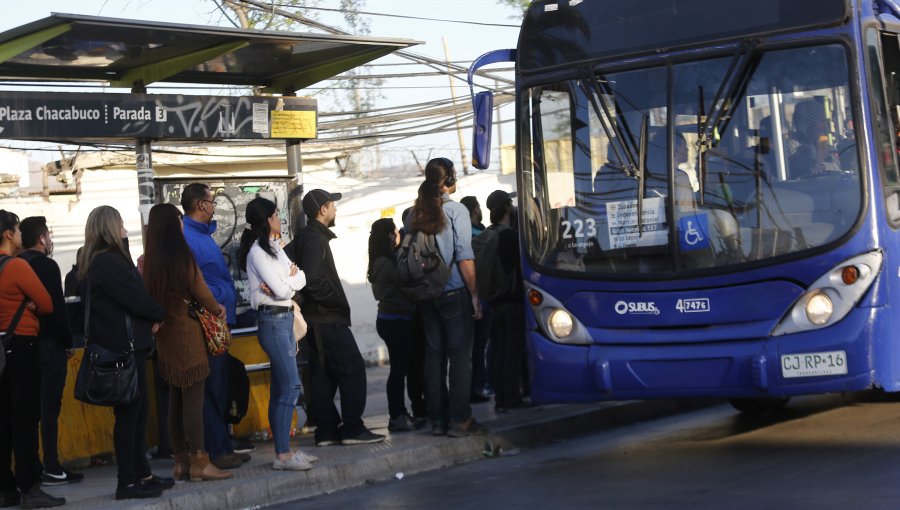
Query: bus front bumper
[765,367]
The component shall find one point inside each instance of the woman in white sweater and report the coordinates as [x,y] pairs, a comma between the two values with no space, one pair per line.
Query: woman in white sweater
[273,281]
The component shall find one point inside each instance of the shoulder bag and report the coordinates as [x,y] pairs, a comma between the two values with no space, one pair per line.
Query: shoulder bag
[11,329]
[105,377]
[215,329]
[300,326]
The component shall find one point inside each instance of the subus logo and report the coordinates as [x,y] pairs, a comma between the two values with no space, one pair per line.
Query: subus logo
[623,307]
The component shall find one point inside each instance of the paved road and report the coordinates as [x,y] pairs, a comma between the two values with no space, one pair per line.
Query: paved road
[821,453]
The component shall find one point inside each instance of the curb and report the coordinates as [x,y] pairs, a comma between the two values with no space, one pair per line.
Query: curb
[257,486]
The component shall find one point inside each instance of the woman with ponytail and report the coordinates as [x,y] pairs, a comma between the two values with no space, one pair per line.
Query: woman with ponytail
[273,281]
[449,319]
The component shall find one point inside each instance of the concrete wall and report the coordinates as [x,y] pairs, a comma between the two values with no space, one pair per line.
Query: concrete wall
[363,203]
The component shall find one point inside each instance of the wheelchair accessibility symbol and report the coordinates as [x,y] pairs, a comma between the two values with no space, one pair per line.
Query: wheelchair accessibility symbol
[693,232]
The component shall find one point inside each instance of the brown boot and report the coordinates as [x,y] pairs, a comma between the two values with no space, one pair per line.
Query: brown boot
[182,470]
[203,470]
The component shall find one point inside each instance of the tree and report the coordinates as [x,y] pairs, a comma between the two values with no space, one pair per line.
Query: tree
[517,4]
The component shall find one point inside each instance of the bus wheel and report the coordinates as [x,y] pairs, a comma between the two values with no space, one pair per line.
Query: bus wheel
[758,405]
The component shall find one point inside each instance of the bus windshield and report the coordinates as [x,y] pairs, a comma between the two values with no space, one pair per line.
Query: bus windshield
[616,183]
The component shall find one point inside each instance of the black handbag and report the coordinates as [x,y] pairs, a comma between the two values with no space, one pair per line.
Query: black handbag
[105,377]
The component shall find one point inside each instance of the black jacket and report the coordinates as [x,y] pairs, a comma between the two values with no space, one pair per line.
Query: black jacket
[508,252]
[386,288]
[54,326]
[117,288]
[323,298]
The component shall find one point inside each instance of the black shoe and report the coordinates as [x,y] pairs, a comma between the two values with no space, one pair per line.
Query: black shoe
[438,429]
[137,491]
[227,461]
[402,423]
[469,427]
[158,482]
[243,446]
[477,398]
[365,437]
[36,498]
[62,478]
[10,498]
[245,457]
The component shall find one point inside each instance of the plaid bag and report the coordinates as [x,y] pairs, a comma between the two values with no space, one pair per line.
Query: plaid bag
[215,329]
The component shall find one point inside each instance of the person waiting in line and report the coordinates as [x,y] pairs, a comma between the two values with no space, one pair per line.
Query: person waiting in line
[336,363]
[394,322]
[266,264]
[475,213]
[173,279]
[481,368]
[449,319]
[20,383]
[415,377]
[199,208]
[117,295]
[55,345]
[509,313]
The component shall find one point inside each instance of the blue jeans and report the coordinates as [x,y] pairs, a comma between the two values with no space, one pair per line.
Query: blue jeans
[276,336]
[449,330]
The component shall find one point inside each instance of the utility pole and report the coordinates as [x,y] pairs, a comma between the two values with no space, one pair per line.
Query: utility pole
[499,127]
[462,142]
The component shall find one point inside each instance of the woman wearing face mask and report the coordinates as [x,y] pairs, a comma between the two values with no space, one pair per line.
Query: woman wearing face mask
[117,294]
[23,295]
[273,282]
[395,319]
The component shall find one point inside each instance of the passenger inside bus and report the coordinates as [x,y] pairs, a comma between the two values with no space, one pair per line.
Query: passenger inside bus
[814,155]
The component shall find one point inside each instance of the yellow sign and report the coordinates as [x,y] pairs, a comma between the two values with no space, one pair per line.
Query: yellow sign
[388,213]
[293,124]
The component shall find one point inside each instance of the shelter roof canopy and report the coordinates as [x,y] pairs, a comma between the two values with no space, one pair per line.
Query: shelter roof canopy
[127,53]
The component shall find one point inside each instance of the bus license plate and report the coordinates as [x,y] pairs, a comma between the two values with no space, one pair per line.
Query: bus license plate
[812,364]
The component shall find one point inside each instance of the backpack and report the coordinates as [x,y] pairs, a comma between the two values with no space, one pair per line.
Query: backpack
[238,391]
[492,279]
[423,274]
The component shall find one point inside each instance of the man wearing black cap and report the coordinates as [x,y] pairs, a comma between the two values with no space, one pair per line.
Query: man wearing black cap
[508,308]
[336,363]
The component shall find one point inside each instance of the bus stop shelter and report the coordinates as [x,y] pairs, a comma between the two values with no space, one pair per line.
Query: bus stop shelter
[133,54]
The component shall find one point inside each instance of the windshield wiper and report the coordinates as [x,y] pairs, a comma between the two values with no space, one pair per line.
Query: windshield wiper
[630,152]
[733,85]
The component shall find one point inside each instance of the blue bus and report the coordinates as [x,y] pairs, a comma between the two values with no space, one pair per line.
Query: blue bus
[709,197]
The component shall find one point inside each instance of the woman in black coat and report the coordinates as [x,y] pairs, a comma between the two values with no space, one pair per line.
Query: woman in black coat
[117,291]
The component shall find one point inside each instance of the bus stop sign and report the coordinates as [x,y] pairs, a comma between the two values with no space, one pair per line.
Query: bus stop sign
[90,116]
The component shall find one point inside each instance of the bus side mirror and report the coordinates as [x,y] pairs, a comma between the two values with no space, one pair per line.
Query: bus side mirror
[483,105]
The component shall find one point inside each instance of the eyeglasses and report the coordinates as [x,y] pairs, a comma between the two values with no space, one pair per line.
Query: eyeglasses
[212,202]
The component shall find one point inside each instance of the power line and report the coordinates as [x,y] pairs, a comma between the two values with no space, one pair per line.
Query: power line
[386,15]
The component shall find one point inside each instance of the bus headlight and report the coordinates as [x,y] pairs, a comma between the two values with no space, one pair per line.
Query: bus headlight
[819,309]
[553,320]
[830,298]
[560,323]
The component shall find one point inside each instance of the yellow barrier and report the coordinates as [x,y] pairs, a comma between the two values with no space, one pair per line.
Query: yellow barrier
[86,431]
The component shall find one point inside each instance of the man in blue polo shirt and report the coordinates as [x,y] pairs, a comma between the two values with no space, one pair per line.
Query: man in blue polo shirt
[199,226]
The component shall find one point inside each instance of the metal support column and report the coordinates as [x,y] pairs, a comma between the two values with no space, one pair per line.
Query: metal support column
[144,164]
[295,187]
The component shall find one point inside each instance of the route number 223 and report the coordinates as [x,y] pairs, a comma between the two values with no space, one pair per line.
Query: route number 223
[579,228]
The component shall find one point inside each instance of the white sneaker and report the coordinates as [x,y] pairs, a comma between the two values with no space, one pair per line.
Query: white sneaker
[308,457]
[295,463]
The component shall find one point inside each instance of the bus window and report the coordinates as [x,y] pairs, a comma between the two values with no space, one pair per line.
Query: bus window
[887,119]
[767,179]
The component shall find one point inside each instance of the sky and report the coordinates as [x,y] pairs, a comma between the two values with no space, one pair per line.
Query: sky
[465,42]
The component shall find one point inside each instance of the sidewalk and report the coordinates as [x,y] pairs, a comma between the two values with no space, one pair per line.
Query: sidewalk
[343,467]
